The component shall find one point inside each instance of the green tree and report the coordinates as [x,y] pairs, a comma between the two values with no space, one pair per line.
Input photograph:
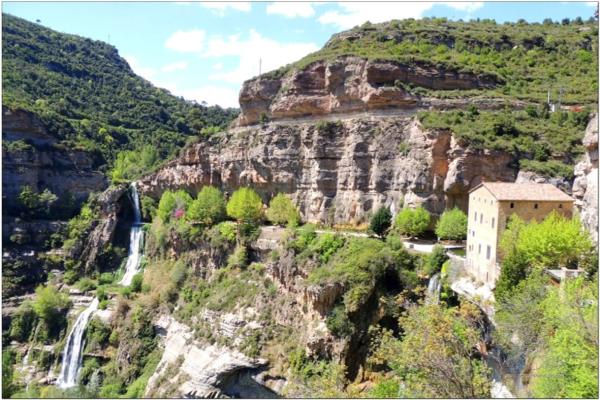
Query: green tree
[514,270]
[435,260]
[569,366]
[282,211]
[173,204]
[245,206]
[50,305]
[438,343]
[412,222]
[148,207]
[381,221]
[208,208]
[452,225]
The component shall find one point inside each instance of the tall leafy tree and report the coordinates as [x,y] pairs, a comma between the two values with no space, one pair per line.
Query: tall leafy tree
[282,211]
[381,221]
[245,206]
[412,222]
[208,208]
[452,225]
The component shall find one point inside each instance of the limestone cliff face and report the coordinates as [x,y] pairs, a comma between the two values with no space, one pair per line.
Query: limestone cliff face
[338,171]
[585,186]
[44,164]
[343,85]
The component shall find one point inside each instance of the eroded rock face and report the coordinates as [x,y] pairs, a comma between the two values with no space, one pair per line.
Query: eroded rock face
[337,171]
[347,84]
[90,248]
[585,186]
[44,164]
[191,370]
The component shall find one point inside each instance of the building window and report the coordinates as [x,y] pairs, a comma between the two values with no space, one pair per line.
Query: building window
[535,206]
[488,252]
[479,248]
[560,206]
[473,233]
[512,205]
[481,218]
[493,220]
[475,216]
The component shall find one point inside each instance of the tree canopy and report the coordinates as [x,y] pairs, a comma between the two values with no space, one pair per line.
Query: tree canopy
[412,222]
[282,211]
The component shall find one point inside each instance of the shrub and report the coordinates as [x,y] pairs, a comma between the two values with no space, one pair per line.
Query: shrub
[136,282]
[435,260]
[304,237]
[513,271]
[227,229]
[49,303]
[338,322]
[245,206]
[239,258]
[22,322]
[178,273]
[326,245]
[282,211]
[86,284]
[412,222]
[208,208]
[148,207]
[381,221]
[452,225]
[106,278]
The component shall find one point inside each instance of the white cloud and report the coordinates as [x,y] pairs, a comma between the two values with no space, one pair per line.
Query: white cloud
[468,6]
[177,66]
[352,14]
[291,10]
[218,66]
[272,53]
[221,7]
[223,96]
[186,41]
[144,72]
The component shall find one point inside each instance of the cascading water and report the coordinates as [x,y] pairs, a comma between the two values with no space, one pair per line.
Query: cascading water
[136,237]
[73,353]
[74,348]
[433,289]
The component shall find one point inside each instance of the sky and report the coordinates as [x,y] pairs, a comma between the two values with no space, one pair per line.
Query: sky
[204,51]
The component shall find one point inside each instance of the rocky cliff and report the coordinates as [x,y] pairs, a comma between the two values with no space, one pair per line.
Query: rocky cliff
[585,186]
[42,162]
[337,171]
[345,85]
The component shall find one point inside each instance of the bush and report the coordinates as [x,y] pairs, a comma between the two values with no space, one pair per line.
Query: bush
[412,222]
[282,211]
[245,206]
[22,322]
[326,245]
[106,278]
[381,221]
[49,303]
[227,229]
[435,260]
[208,208]
[452,225]
[148,207]
[136,282]
[239,258]
[338,322]
[86,284]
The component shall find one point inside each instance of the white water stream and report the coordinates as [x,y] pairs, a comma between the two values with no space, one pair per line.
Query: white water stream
[73,352]
[433,289]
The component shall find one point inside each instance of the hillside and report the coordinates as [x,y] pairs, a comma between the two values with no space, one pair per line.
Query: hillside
[88,96]
[525,59]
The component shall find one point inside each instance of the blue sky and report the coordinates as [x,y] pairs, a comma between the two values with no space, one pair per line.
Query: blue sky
[205,50]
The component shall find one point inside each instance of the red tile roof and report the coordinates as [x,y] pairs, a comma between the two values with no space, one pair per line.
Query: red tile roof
[525,191]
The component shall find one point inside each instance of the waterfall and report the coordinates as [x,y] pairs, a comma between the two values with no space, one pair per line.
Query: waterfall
[73,352]
[433,289]
[136,238]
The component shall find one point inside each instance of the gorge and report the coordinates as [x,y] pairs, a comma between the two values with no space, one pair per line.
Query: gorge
[158,263]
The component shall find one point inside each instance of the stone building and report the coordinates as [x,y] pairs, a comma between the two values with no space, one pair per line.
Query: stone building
[490,206]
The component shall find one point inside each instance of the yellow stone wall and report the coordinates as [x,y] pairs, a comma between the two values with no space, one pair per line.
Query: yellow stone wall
[486,230]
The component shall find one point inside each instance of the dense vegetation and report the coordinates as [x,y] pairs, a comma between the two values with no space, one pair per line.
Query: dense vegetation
[547,143]
[88,96]
[526,59]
